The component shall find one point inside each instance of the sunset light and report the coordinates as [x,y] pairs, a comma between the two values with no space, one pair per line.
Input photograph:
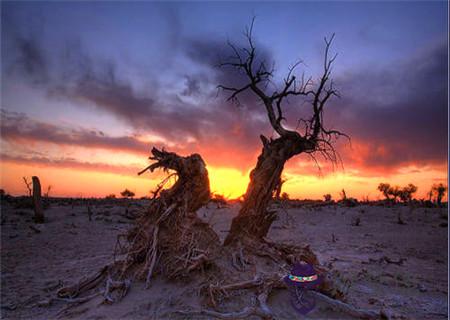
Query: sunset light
[86,123]
[224,159]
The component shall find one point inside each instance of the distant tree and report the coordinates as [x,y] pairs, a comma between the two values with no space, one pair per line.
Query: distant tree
[110,196]
[430,195]
[395,192]
[327,197]
[439,191]
[348,201]
[389,191]
[385,188]
[49,187]
[284,196]
[310,137]
[28,185]
[127,193]
[343,195]
[407,192]
[3,195]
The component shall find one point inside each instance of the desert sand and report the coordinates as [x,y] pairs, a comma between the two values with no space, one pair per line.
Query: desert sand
[400,269]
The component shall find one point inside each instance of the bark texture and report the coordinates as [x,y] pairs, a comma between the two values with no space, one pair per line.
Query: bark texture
[255,218]
[37,201]
[168,238]
[170,231]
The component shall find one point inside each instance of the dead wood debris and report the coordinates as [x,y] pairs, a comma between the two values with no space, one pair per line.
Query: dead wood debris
[385,259]
[169,239]
[167,232]
[264,285]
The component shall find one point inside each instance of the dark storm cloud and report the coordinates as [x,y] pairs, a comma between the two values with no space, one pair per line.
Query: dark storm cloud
[166,116]
[94,83]
[399,113]
[193,87]
[31,59]
[22,49]
[71,163]
[215,53]
[18,126]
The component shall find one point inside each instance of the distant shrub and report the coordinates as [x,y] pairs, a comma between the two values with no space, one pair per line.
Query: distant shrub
[327,197]
[47,193]
[385,189]
[284,196]
[348,202]
[127,193]
[407,192]
[438,190]
[110,196]
[4,196]
[395,192]
[28,184]
[219,200]
[23,202]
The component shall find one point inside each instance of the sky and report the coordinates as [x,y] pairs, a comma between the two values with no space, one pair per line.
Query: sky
[88,88]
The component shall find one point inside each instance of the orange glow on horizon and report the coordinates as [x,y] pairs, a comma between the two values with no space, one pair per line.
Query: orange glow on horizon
[229,182]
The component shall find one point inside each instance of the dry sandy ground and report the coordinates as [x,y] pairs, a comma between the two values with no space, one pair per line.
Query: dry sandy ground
[69,246]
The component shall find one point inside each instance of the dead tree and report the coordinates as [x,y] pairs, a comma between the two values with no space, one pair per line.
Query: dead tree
[37,201]
[254,218]
[169,239]
[439,190]
[175,232]
[168,232]
[28,185]
[47,193]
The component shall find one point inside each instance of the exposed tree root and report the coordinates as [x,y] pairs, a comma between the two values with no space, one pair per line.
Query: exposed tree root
[345,307]
[259,307]
[168,238]
[84,285]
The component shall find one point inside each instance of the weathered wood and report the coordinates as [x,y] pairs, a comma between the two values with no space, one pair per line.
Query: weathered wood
[169,226]
[346,308]
[37,201]
[254,218]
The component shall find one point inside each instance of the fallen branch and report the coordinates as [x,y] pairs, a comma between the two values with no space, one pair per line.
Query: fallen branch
[260,309]
[397,262]
[346,308]
[245,313]
[84,285]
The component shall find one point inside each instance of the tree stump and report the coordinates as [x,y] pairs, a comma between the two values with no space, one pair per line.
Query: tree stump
[168,238]
[37,201]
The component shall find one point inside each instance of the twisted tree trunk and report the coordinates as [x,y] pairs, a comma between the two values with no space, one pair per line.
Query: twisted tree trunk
[171,230]
[254,218]
[168,238]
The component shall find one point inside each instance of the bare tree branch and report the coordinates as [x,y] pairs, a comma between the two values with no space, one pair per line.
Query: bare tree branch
[259,76]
